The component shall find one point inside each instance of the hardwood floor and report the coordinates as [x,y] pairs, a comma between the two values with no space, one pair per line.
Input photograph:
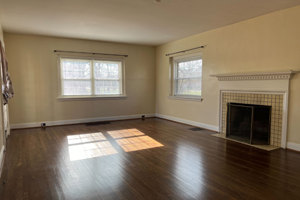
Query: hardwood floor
[135,159]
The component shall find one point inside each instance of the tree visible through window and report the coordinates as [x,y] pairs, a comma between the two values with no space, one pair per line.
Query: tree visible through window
[188,77]
[106,78]
[82,77]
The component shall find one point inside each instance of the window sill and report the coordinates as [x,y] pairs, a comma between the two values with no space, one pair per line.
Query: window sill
[186,98]
[86,98]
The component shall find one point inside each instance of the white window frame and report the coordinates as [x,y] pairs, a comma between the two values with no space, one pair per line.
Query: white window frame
[173,74]
[62,97]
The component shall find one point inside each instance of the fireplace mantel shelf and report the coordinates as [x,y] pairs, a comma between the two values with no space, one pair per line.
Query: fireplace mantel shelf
[256,76]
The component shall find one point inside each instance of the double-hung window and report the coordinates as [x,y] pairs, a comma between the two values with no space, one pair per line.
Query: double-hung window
[81,77]
[187,77]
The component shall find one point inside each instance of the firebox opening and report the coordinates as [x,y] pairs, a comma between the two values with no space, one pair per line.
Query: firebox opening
[249,123]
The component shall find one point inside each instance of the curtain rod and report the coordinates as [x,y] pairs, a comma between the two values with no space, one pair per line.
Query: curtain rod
[91,53]
[184,51]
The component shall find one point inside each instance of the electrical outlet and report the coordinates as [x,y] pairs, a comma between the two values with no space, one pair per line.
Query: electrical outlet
[43,124]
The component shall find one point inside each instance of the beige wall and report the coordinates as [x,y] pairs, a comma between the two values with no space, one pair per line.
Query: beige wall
[1,32]
[1,103]
[267,43]
[34,72]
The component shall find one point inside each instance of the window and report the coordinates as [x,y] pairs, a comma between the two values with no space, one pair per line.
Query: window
[91,78]
[187,77]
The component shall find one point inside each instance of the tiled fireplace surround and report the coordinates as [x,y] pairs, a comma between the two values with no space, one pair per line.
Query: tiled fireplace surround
[271,88]
[276,101]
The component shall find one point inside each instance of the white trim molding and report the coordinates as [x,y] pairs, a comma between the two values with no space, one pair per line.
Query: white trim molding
[284,109]
[186,98]
[188,122]
[173,65]
[78,121]
[89,98]
[258,83]
[293,146]
[2,158]
[256,76]
[91,59]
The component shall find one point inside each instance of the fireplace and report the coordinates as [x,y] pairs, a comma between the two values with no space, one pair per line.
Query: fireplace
[249,123]
[266,89]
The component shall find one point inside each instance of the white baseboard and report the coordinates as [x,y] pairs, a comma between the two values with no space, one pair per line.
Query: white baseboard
[293,146]
[1,158]
[77,121]
[192,123]
[290,145]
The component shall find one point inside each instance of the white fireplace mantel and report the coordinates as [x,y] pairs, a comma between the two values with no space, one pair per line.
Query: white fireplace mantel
[259,83]
[256,76]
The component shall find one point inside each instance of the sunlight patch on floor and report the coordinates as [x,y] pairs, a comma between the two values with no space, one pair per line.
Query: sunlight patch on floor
[83,138]
[125,133]
[93,145]
[91,150]
[133,140]
[86,146]
[138,143]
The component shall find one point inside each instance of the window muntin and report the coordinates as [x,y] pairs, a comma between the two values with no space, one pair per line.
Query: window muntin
[90,77]
[188,76]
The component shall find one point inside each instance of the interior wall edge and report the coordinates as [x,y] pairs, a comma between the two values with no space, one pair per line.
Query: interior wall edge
[2,158]
[272,39]
[2,131]
[78,121]
[189,122]
[34,72]
[293,146]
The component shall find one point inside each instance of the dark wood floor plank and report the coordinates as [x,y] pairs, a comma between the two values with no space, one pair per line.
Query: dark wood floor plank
[189,165]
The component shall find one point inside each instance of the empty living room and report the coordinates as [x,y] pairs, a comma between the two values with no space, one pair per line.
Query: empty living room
[150,99]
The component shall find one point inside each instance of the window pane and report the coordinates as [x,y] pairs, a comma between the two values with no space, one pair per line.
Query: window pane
[188,86]
[106,69]
[76,69]
[107,87]
[190,69]
[77,87]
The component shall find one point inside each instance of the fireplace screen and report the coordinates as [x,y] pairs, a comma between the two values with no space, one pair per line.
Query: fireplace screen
[248,123]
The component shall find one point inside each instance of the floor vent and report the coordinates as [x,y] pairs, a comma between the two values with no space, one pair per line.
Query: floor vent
[196,129]
[97,123]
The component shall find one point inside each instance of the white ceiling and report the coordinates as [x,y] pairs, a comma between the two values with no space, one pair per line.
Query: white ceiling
[130,21]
